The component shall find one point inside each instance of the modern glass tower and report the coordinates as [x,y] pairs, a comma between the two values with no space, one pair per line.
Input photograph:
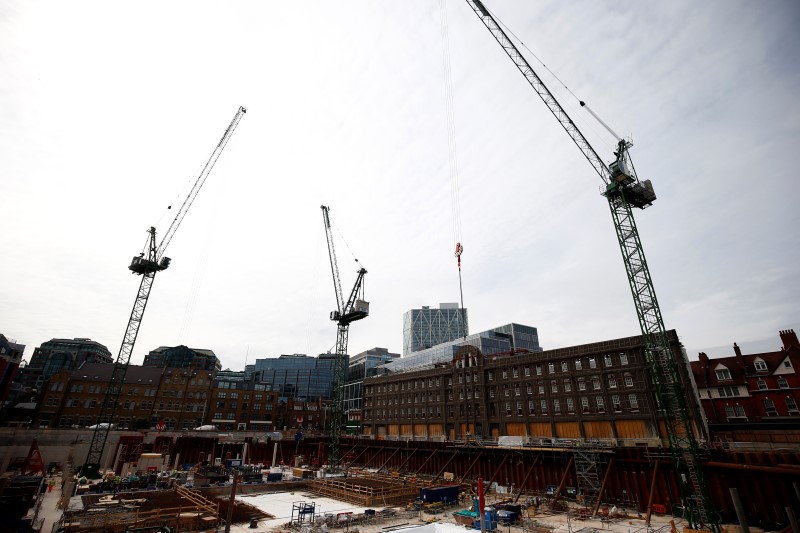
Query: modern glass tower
[426,327]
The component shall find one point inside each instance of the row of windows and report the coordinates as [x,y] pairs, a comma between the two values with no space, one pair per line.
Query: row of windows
[737,411]
[235,396]
[543,408]
[469,393]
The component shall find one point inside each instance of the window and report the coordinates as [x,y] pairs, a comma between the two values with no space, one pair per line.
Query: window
[581,384]
[222,394]
[551,367]
[761,366]
[491,393]
[762,385]
[541,388]
[782,383]
[623,359]
[596,383]
[516,390]
[612,382]
[607,360]
[515,372]
[556,406]
[530,406]
[578,364]
[543,405]
[231,416]
[538,370]
[787,364]
[530,389]
[508,408]
[505,374]
[601,406]
[616,404]
[723,374]
[729,411]
[584,404]
[554,387]
[791,404]
[634,401]
[592,362]
[505,389]
[739,410]
[564,366]
[769,405]
[628,380]
[490,375]
[570,405]
[567,385]
[519,408]
[727,392]
[527,371]
[217,416]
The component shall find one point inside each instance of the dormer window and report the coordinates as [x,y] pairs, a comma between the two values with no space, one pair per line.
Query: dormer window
[761,366]
[723,374]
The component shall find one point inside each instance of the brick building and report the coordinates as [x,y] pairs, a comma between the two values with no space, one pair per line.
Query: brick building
[753,397]
[177,397]
[57,354]
[593,391]
[183,357]
[241,404]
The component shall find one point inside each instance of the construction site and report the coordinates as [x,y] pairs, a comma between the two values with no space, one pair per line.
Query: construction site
[448,444]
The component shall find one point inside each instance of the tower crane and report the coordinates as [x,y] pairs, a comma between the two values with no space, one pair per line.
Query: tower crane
[347,311]
[624,191]
[146,264]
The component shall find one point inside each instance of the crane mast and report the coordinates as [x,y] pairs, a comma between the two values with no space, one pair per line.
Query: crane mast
[146,265]
[347,311]
[623,190]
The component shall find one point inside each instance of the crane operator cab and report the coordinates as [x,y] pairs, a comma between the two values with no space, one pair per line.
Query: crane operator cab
[140,265]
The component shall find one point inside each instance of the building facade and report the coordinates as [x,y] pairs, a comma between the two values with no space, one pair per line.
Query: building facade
[297,376]
[183,357]
[57,354]
[508,339]
[426,327]
[247,405]
[362,366]
[10,358]
[752,397]
[592,391]
[176,397]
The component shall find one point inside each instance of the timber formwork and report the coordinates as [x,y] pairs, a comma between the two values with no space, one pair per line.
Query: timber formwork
[181,509]
[365,491]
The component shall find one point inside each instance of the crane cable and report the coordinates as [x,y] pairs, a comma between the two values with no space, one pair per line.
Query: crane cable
[452,150]
[581,102]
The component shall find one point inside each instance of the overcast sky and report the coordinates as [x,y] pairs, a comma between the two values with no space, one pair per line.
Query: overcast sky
[108,111]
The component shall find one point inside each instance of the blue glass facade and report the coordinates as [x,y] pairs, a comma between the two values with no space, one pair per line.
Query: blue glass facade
[300,376]
[494,341]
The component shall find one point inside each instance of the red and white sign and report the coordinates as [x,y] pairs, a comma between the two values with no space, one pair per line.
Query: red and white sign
[161,425]
[299,419]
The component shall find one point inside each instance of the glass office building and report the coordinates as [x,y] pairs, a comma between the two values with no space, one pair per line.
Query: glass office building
[363,365]
[504,339]
[299,376]
[426,327]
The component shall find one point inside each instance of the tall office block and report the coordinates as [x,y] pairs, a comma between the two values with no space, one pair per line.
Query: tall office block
[426,327]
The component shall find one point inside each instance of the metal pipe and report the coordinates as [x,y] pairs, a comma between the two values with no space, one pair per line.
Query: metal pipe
[737,504]
[753,468]
[650,496]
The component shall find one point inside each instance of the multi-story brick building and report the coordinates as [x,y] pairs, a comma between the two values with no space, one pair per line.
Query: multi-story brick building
[592,391]
[177,397]
[241,404]
[752,397]
[57,354]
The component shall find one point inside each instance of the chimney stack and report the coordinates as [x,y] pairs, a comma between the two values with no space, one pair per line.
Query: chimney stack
[789,339]
[737,350]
